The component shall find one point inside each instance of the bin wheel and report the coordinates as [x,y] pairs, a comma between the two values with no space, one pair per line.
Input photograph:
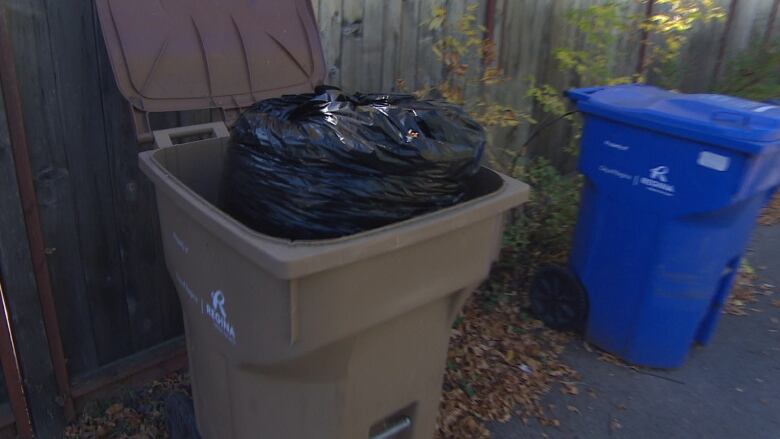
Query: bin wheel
[180,417]
[558,299]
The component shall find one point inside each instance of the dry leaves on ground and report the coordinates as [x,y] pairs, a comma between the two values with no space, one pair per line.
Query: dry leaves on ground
[500,362]
[771,213]
[612,359]
[743,293]
[138,415]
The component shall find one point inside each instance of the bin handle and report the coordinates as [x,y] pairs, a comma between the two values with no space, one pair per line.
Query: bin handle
[164,138]
[581,94]
[395,429]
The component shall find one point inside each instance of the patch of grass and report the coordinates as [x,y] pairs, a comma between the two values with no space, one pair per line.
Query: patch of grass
[541,233]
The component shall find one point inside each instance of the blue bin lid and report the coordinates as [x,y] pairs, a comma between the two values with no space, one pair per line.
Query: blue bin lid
[726,121]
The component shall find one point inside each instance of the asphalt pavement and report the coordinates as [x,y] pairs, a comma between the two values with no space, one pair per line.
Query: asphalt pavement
[728,389]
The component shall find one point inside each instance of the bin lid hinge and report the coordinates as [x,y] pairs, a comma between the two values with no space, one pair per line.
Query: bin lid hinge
[141,125]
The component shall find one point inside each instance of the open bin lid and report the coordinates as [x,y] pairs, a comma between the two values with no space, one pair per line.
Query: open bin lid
[730,122]
[177,55]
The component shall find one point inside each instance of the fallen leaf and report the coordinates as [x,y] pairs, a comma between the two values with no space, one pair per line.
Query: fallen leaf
[614,424]
[574,409]
[570,389]
[510,355]
[114,409]
[501,362]
[524,363]
[743,293]
[771,213]
[138,415]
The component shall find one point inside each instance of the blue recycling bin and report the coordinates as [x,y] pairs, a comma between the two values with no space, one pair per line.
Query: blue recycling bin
[673,185]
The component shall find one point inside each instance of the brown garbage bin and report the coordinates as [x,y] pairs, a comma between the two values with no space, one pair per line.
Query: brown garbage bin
[334,339]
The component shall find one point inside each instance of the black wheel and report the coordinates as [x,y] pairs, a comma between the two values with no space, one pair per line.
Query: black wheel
[180,417]
[558,299]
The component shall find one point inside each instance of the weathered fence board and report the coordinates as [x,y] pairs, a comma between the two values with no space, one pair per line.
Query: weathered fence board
[351,35]
[153,307]
[27,22]
[429,67]
[749,24]
[18,285]
[80,134]
[526,33]
[330,24]
[15,266]
[372,31]
[391,33]
[407,45]
[112,293]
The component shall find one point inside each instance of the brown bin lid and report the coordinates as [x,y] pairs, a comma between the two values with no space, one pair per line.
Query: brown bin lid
[175,55]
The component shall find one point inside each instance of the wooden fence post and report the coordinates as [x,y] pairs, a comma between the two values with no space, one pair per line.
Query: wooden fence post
[644,40]
[724,41]
[770,24]
[22,273]
[11,372]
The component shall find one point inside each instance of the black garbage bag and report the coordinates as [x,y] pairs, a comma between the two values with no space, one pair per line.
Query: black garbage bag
[327,164]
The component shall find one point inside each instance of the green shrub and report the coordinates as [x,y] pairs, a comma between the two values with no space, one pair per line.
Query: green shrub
[753,74]
[541,231]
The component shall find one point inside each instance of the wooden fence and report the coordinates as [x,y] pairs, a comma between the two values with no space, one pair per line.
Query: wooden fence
[113,296]
[369,44]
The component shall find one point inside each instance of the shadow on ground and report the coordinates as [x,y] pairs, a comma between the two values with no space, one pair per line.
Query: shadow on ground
[729,389]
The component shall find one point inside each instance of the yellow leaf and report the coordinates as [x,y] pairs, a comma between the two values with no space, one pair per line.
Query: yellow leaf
[436,23]
[114,409]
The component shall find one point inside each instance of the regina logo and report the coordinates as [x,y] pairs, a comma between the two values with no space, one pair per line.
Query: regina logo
[216,311]
[659,173]
[658,181]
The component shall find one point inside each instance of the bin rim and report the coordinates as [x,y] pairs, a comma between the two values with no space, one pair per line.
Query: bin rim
[737,124]
[294,259]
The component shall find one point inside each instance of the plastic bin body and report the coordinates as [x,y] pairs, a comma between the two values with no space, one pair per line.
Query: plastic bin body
[335,339]
[324,339]
[673,187]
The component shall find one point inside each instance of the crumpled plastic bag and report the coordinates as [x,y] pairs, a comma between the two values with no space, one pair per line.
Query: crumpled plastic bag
[327,164]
